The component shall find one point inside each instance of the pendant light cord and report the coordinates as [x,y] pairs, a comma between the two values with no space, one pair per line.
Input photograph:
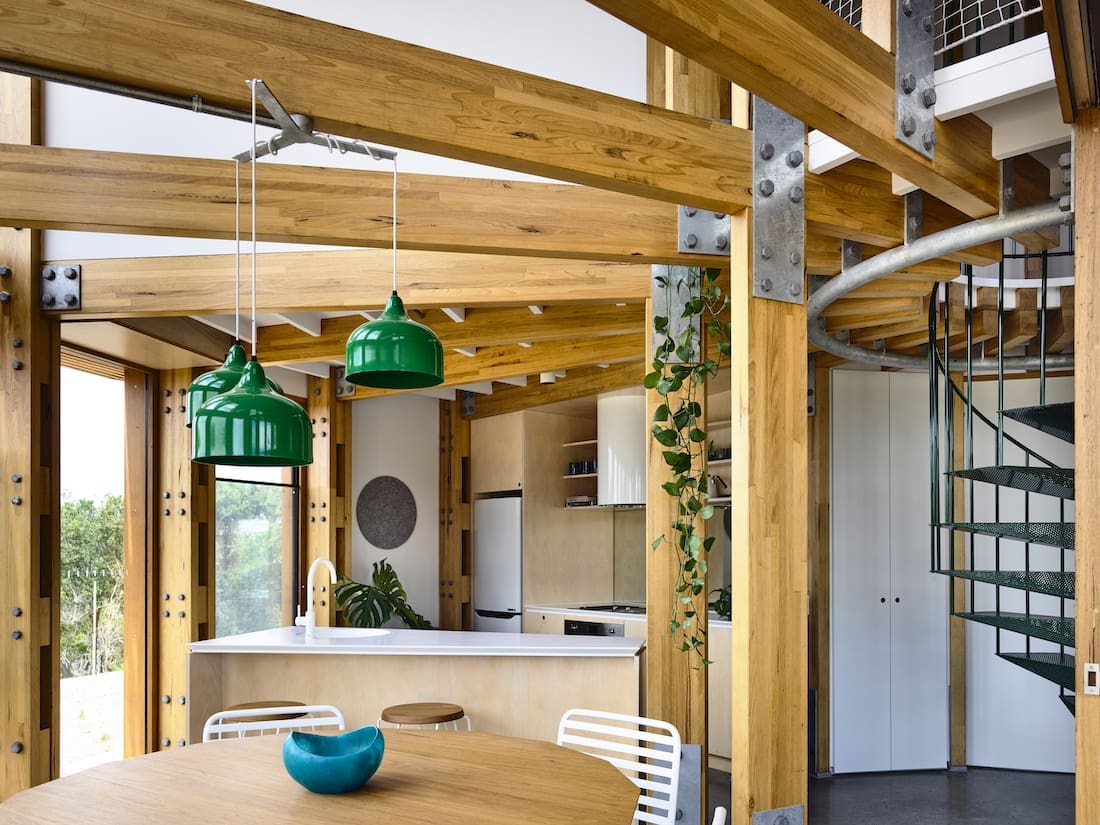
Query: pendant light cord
[253,85]
[394,227]
[237,236]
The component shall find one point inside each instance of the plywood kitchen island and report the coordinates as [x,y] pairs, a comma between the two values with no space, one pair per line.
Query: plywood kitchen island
[509,683]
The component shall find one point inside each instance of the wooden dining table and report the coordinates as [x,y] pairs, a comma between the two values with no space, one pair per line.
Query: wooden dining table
[458,778]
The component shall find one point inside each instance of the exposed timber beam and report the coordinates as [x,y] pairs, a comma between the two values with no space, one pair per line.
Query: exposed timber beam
[1073,53]
[579,383]
[50,188]
[545,356]
[483,327]
[404,95]
[186,333]
[805,59]
[351,280]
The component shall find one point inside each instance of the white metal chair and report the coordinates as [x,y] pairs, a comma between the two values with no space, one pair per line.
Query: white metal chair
[719,817]
[646,750]
[259,721]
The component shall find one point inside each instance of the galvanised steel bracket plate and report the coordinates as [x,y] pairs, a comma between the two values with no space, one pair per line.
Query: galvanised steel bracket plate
[778,204]
[792,815]
[61,286]
[915,86]
[343,386]
[670,291]
[702,231]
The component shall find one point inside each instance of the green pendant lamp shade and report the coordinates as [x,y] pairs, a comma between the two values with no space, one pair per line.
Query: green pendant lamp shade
[217,381]
[252,426]
[394,352]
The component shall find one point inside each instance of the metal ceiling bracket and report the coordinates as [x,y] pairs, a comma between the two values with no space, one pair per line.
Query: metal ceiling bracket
[1065,163]
[811,385]
[299,129]
[792,815]
[670,289]
[1008,190]
[851,253]
[778,204]
[343,386]
[61,287]
[915,85]
[702,231]
[467,403]
[914,216]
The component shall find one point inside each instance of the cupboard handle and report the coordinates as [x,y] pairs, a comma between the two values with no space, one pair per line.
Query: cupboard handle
[897,599]
[882,600]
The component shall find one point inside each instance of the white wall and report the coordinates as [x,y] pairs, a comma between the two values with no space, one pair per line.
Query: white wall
[399,436]
[1014,718]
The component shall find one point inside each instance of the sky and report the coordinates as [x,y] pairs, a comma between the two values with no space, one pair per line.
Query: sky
[92,432]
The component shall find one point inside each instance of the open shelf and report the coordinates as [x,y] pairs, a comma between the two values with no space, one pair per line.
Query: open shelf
[579,475]
[588,442]
[719,462]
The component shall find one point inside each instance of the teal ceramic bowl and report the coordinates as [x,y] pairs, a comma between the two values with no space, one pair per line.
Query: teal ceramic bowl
[334,764]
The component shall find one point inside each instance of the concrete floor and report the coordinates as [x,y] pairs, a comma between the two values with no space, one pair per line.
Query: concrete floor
[978,796]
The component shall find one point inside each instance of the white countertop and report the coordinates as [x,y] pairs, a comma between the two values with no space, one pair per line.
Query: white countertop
[404,642]
[607,615]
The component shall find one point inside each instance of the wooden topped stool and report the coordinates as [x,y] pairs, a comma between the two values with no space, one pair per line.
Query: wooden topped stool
[268,703]
[438,714]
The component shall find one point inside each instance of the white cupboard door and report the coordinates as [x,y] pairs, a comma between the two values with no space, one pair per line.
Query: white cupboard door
[918,598]
[860,572]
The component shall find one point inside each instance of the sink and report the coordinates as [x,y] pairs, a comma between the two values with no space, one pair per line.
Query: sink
[348,632]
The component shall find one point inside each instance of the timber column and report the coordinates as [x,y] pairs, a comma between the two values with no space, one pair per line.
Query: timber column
[769,542]
[1086,386]
[30,510]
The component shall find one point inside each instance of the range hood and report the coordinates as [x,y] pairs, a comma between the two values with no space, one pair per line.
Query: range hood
[621,439]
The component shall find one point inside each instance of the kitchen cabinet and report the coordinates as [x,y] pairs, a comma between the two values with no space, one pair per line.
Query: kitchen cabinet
[496,445]
[889,614]
[579,471]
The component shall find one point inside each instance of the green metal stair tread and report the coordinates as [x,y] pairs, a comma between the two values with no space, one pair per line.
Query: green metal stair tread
[1052,419]
[1054,533]
[1047,481]
[1048,582]
[1071,703]
[1052,628]
[1054,667]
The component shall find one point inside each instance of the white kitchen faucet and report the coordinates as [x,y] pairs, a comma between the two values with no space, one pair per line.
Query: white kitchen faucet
[309,621]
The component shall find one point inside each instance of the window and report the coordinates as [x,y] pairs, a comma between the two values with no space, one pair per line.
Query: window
[256,548]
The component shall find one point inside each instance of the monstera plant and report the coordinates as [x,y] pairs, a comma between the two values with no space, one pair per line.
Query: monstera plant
[374,604]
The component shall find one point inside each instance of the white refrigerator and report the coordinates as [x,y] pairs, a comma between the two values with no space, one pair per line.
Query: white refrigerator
[498,551]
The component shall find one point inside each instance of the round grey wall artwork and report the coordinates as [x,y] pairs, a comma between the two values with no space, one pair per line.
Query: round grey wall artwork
[386,512]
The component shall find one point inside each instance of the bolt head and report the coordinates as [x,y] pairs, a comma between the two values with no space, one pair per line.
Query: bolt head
[794,289]
[166,699]
[16,747]
[70,273]
[70,300]
[1064,203]
[5,297]
[719,215]
[907,8]
[17,634]
[928,140]
[721,242]
[16,500]
[17,365]
[796,194]
[795,257]
[50,274]
[926,24]
[767,151]
[17,611]
[691,241]
[765,284]
[928,98]
[795,158]
[1065,160]
[48,300]
[908,83]
[16,343]
[908,126]
[5,271]
[690,211]
[766,187]
[766,252]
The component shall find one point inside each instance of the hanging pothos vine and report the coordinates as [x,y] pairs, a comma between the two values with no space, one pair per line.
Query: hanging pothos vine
[680,368]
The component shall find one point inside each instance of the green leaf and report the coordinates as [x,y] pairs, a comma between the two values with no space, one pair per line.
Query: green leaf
[651,379]
[707,512]
[660,323]
[656,542]
[664,437]
[665,386]
[661,413]
[697,435]
[671,487]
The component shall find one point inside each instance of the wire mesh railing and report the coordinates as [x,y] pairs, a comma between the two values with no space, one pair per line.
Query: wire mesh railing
[960,21]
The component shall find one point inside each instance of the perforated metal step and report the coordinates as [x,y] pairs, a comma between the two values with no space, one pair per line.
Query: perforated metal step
[1071,703]
[1048,481]
[1035,581]
[1054,533]
[1053,419]
[1052,628]
[1054,667]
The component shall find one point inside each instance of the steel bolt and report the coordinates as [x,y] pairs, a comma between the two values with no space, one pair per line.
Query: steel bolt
[794,289]
[907,8]
[766,252]
[1064,203]
[766,187]
[69,273]
[5,271]
[182,743]
[182,494]
[795,257]
[16,747]
[167,512]
[165,494]
[70,300]
[313,518]
[324,504]
[166,699]
[1010,193]
[908,83]
[926,24]
[183,512]
[17,365]
[721,242]
[766,285]
[16,343]
[17,634]
[322,518]
[166,596]
[1065,161]
[16,478]
[928,98]
[5,297]
[182,700]
[50,274]
[766,151]
[719,215]
[182,614]
[182,597]
[796,194]
[908,126]
[166,614]
[691,241]
[795,158]
[183,391]
[183,408]
[928,139]
[166,742]
[1067,177]
[16,500]
[17,611]
[167,393]
[167,410]
[690,211]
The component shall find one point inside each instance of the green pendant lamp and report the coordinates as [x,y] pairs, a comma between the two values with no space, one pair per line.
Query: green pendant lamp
[252,425]
[394,352]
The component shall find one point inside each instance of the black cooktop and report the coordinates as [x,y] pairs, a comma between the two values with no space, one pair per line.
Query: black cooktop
[615,608]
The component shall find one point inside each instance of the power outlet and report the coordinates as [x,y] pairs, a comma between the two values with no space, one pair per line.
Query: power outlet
[1092,678]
